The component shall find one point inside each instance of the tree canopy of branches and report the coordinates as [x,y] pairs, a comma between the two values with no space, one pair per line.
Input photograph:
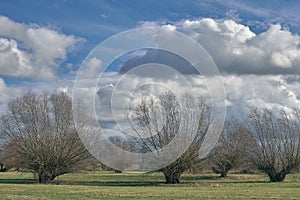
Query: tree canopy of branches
[41,135]
[231,150]
[277,149]
[164,118]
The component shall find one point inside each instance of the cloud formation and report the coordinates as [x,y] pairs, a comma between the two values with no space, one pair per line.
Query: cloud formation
[269,59]
[259,69]
[236,49]
[162,57]
[6,94]
[90,68]
[32,51]
[264,91]
[243,91]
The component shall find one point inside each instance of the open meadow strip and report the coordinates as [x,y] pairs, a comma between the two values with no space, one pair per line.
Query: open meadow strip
[109,185]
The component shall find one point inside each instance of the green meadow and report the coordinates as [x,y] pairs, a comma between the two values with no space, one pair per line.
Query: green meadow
[109,185]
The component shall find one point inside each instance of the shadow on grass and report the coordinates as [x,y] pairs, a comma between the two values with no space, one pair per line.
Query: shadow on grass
[102,183]
[87,183]
[186,180]
[221,180]
[17,181]
[193,178]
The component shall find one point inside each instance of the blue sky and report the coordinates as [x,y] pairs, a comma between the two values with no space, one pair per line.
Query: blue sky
[95,21]
[74,28]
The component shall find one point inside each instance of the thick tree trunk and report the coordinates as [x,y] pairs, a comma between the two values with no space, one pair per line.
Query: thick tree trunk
[172,178]
[276,177]
[1,167]
[223,174]
[43,178]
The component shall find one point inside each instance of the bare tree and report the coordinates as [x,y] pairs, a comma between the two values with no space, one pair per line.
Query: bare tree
[231,150]
[277,149]
[41,133]
[163,119]
[125,144]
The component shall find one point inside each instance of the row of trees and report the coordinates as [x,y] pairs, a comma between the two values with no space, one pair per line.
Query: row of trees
[269,140]
[41,137]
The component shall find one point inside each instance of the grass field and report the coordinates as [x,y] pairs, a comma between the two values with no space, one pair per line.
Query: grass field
[108,185]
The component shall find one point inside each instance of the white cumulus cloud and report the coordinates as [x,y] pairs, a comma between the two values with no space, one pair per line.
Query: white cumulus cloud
[236,49]
[90,68]
[32,51]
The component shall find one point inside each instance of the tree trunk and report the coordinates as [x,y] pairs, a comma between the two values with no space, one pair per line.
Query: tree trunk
[276,177]
[223,174]
[43,178]
[172,178]
[1,167]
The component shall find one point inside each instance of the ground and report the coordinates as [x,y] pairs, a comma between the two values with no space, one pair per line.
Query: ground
[109,185]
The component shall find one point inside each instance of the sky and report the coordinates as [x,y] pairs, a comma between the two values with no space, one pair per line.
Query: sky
[255,44]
